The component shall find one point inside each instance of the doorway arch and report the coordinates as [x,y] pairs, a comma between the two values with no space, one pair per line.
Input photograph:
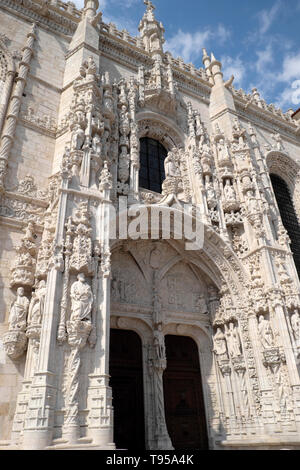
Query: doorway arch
[126,381]
[183,394]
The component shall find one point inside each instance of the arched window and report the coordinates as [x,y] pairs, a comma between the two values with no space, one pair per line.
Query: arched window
[152,157]
[288,215]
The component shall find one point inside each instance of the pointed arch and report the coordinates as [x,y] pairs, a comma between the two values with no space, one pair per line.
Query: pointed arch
[286,168]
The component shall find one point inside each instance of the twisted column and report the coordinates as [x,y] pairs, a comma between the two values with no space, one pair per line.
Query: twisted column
[14,107]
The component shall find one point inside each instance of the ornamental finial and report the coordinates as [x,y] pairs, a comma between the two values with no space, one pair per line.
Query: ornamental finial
[150,6]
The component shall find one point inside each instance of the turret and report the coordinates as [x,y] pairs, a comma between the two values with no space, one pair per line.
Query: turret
[152,32]
[206,63]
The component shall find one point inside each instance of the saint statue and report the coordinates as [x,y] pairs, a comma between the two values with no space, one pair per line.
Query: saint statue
[37,303]
[159,343]
[233,341]
[82,299]
[171,166]
[265,333]
[229,191]
[77,137]
[222,151]
[219,343]
[18,311]
[295,324]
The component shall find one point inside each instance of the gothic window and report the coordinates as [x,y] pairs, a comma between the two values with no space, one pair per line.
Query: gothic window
[288,216]
[152,157]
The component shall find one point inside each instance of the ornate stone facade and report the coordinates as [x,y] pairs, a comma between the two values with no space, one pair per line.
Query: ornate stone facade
[65,281]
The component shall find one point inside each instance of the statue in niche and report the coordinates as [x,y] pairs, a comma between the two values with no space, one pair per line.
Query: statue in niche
[171,166]
[265,333]
[222,150]
[77,137]
[115,290]
[97,144]
[219,340]
[159,343]
[278,141]
[18,311]
[233,340]
[229,191]
[82,299]
[37,303]
[295,324]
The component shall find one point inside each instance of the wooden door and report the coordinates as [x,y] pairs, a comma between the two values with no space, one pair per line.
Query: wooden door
[126,371]
[184,404]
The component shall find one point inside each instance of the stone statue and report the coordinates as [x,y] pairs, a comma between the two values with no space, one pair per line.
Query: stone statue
[229,191]
[77,137]
[219,343]
[295,324]
[159,343]
[37,302]
[265,333]
[18,311]
[97,144]
[171,166]
[82,299]
[233,341]
[222,150]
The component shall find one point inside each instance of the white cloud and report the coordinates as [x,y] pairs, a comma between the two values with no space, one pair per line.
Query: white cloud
[290,68]
[79,4]
[265,58]
[189,45]
[233,66]
[267,17]
[290,95]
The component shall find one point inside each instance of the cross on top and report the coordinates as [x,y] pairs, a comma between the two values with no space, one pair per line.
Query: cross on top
[150,6]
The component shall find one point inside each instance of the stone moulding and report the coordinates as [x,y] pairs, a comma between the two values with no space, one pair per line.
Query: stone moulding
[55,18]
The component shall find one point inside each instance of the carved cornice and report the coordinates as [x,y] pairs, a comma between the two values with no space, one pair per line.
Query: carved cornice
[265,119]
[56,17]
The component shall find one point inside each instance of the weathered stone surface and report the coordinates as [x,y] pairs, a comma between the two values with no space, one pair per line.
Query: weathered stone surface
[84,95]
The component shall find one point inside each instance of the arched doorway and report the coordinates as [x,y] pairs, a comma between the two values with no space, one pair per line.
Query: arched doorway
[184,403]
[288,215]
[126,380]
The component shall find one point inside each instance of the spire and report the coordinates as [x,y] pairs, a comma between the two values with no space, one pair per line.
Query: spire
[206,63]
[216,69]
[152,32]
[90,9]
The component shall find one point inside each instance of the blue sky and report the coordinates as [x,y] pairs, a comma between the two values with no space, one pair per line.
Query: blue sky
[256,40]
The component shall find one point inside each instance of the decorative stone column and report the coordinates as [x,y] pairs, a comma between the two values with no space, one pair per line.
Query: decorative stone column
[15,103]
[99,391]
[158,364]
[78,332]
[39,418]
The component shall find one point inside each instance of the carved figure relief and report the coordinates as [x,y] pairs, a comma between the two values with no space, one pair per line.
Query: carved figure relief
[81,298]
[18,312]
[233,340]
[220,348]
[265,333]
[37,302]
